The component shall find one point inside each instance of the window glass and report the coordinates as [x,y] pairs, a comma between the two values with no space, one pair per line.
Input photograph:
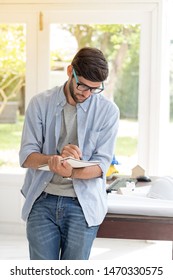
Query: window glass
[12,92]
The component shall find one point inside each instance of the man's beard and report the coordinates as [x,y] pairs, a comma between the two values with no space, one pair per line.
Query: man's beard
[75,98]
[71,89]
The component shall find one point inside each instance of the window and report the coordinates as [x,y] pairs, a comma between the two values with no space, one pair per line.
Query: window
[150,153]
[12,90]
[15,81]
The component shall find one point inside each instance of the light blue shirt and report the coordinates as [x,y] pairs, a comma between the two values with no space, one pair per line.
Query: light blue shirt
[97,126]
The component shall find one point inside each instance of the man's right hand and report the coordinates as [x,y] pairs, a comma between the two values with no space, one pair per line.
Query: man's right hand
[71,150]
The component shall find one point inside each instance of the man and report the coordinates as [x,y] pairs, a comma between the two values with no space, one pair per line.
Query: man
[65,206]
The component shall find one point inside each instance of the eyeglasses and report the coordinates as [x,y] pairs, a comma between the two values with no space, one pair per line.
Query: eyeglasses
[83,87]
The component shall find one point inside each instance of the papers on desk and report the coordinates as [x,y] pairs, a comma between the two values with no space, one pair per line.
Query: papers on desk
[75,163]
[139,204]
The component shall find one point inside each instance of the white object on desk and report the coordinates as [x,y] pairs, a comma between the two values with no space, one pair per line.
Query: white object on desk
[128,190]
[139,204]
[162,188]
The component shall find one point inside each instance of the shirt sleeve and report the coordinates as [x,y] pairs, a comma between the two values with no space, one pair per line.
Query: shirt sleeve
[32,135]
[106,141]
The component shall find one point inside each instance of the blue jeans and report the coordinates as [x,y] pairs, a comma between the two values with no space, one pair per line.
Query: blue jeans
[57,229]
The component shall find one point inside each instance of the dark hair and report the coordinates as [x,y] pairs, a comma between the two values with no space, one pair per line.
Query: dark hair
[91,64]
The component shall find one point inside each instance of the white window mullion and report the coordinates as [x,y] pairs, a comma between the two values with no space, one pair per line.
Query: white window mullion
[43,53]
[159,146]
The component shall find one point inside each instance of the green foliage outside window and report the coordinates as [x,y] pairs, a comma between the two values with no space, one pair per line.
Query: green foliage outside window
[12,62]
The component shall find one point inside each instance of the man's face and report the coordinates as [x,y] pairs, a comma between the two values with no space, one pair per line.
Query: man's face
[78,95]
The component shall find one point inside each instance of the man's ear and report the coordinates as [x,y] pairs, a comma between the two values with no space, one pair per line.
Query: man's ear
[70,70]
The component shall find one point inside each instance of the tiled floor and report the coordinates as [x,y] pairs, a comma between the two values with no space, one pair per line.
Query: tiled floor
[15,248]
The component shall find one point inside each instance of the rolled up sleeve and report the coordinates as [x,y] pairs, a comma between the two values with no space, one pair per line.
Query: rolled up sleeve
[32,135]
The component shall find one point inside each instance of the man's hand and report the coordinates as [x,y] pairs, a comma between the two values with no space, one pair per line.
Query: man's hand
[56,165]
[71,151]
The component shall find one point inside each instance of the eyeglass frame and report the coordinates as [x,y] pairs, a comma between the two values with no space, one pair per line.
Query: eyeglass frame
[92,89]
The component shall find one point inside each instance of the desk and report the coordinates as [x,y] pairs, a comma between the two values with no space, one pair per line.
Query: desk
[136,227]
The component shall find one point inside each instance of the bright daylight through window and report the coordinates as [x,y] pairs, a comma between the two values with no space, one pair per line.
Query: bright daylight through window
[119,42]
[12,92]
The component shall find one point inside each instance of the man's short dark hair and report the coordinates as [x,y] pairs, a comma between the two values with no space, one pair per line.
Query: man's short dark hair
[91,64]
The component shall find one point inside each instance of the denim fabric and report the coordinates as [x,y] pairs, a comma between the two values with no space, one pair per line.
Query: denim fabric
[57,229]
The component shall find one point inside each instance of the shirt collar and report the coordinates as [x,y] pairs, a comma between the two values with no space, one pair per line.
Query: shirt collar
[85,104]
[62,100]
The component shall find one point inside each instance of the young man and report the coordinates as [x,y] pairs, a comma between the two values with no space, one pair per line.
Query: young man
[65,206]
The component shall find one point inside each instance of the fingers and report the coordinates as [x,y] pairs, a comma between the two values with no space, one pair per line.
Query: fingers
[62,168]
[71,150]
